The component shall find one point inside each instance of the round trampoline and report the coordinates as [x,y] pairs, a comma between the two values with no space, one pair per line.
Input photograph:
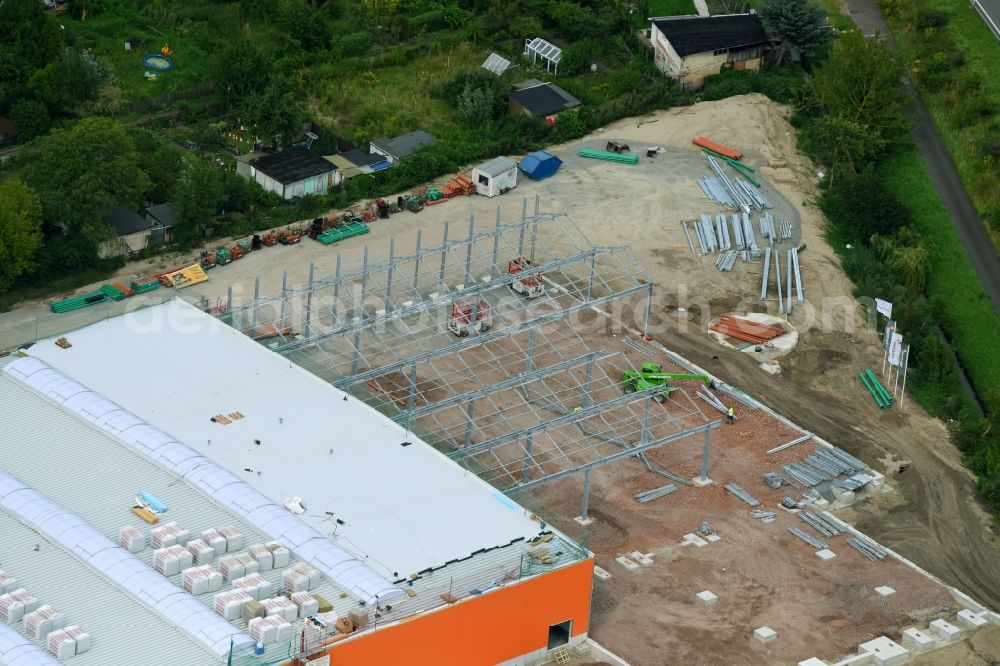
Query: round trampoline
[158,62]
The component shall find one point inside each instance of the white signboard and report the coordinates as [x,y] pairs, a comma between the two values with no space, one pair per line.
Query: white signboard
[883,307]
[895,349]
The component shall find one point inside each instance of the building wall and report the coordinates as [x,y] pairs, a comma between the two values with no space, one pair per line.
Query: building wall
[691,70]
[495,627]
[120,246]
[505,181]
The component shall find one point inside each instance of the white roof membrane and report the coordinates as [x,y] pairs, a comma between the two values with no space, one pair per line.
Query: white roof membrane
[17,650]
[221,485]
[71,533]
[398,509]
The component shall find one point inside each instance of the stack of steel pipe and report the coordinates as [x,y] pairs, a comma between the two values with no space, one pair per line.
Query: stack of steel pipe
[868,549]
[742,494]
[763,516]
[821,523]
[798,275]
[812,541]
[726,261]
[738,232]
[708,232]
[655,493]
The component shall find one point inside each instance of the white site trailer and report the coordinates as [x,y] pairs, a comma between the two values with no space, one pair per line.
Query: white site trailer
[495,177]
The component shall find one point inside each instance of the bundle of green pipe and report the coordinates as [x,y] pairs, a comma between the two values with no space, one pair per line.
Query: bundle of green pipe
[609,157]
[743,169]
[342,232]
[878,392]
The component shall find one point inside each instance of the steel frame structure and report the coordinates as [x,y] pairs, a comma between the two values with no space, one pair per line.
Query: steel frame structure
[526,403]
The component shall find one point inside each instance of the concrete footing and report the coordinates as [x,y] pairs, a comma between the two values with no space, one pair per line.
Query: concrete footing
[944,630]
[701,483]
[917,641]
[707,598]
[825,554]
[765,634]
[885,652]
[884,591]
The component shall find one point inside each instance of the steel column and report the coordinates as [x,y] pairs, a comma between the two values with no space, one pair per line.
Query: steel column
[469,422]
[524,215]
[526,476]
[529,362]
[309,300]
[468,252]
[284,299]
[588,378]
[411,395]
[253,316]
[496,247]
[586,495]
[336,292]
[649,305]
[704,460]
[387,305]
[416,267]
[442,287]
[644,436]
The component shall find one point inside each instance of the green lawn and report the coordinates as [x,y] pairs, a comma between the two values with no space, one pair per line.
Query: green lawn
[967,314]
[105,34]
[966,107]
[671,7]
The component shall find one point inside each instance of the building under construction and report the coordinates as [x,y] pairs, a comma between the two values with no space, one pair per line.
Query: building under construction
[337,473]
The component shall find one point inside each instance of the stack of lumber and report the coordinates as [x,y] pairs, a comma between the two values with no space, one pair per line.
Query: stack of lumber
[746,330]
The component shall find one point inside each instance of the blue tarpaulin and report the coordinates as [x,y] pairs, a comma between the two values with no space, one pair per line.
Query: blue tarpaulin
[539,165]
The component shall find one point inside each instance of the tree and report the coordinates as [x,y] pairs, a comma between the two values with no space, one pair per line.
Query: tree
[31,118]
[798,25]
[844,144]
[197,196]
[860,82]
[242,70]
[30,38]
[79,174]
[20,230]
[275,114]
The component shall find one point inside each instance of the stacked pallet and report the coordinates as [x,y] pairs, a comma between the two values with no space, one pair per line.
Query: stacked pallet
[746,330]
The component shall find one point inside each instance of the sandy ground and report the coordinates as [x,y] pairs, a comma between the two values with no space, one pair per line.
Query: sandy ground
[934,519]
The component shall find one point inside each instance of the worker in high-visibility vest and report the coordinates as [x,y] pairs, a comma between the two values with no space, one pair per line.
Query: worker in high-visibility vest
[730,416]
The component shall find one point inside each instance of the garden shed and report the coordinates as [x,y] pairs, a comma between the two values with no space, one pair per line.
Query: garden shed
[540,165]
[495,177]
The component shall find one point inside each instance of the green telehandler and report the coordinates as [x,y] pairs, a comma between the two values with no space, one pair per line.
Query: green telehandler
[651,374]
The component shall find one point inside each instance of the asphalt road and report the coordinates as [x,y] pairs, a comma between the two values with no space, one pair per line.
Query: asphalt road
[978,246]
[990,11]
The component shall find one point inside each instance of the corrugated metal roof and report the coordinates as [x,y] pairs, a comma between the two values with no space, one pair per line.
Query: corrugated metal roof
[122,631]
[497,166]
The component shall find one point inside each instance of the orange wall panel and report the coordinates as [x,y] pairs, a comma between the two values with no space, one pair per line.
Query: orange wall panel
[487,629]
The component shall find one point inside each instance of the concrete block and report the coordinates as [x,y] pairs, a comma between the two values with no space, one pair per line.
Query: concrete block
[407,304]
[765,634]
[812,661]
[886,652]
[459,287]
[641,558]
[627,563]
[944,630]
[884,591]
[825,554]
[485,278]
[820,504]
[846,497]
[693,540]
[706,598]
[991,617]
[379,313]
[917,641]
[601,573]
[701,483]
[580,520]
[970,620]
[712,538]
[863,659]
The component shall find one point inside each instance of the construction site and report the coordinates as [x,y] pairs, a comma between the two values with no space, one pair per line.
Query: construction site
[588,425]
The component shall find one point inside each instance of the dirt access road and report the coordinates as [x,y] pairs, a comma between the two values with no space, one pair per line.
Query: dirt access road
[934,520]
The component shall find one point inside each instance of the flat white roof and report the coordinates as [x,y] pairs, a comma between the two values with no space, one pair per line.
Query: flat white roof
[401,509]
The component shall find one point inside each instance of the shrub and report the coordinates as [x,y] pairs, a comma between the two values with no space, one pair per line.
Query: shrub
[931,19]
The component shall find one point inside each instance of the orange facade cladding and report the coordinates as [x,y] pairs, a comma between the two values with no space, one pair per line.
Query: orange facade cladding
[483,630]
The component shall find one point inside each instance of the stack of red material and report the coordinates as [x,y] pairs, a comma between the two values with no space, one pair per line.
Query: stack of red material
[746,330]
[460,185]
